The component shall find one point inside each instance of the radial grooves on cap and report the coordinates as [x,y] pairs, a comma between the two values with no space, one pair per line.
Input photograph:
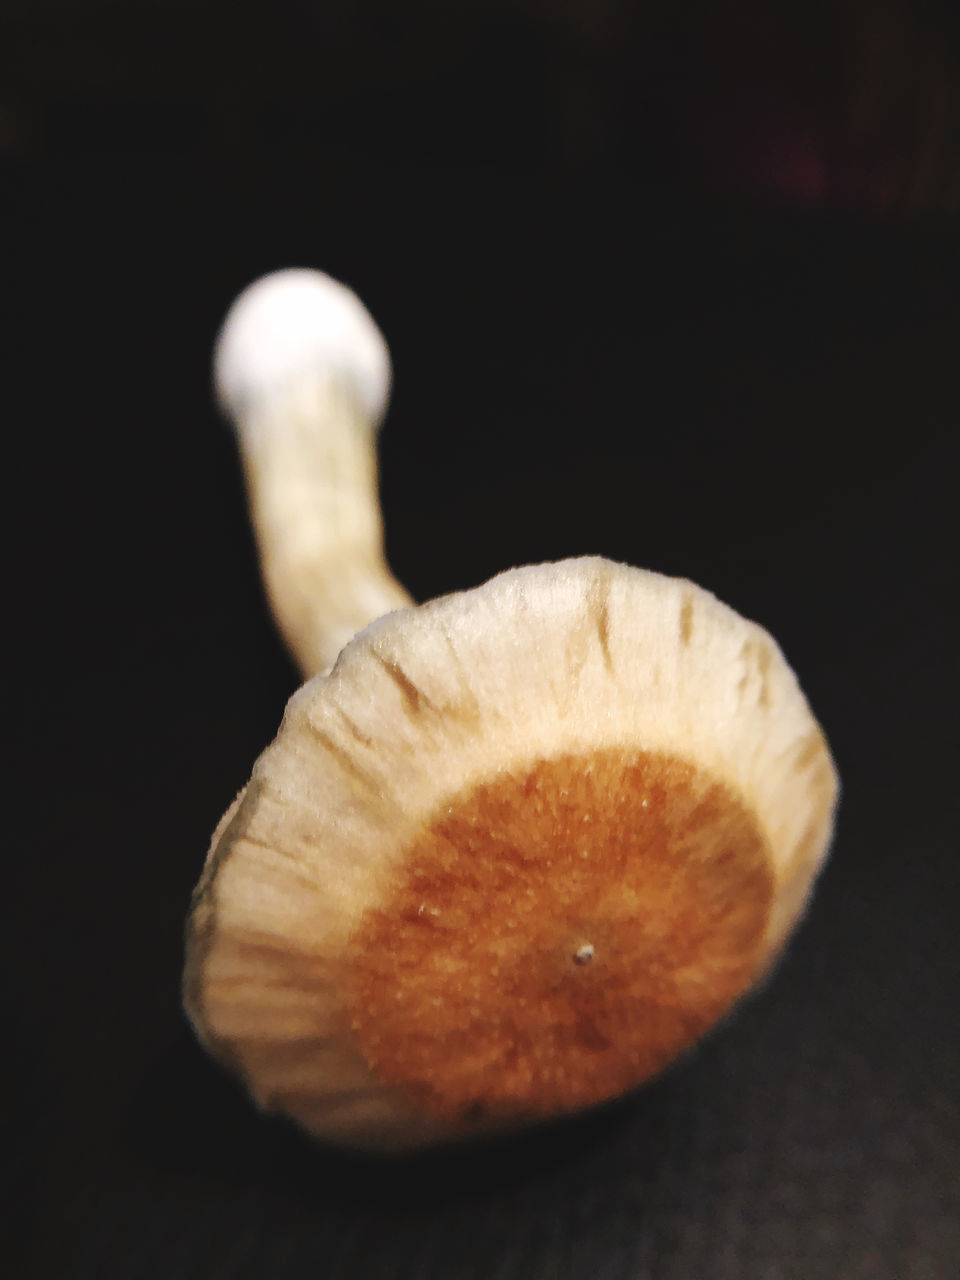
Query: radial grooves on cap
[354,729]
[414,697]
[201,922]
[686,619]
[756,656]
[346,759]
[811,750]
[598,603]
[464,987]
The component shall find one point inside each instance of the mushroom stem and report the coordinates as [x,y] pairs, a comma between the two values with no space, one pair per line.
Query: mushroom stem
[311,472]
[304,374]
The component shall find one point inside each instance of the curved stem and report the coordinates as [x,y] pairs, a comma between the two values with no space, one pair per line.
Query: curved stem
[310,460]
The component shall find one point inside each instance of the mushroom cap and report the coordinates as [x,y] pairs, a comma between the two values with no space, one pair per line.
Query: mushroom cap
[519,850]
[296,322]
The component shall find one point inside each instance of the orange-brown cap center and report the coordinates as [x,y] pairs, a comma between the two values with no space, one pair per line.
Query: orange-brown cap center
[557,935]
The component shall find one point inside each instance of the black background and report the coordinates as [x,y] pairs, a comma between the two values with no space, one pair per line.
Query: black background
[599,348]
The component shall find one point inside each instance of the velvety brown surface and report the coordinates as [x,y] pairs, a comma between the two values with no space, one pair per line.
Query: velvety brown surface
[560,934]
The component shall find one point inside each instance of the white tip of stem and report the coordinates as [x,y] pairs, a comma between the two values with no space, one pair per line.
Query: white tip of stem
[296,322]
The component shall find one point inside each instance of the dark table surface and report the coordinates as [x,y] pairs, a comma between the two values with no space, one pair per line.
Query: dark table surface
[763,399]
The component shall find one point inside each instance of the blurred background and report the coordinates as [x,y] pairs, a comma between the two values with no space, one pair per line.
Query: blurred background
[848,104]
[675,284]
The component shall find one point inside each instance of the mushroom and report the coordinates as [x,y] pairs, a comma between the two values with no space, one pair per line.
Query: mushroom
[523,845]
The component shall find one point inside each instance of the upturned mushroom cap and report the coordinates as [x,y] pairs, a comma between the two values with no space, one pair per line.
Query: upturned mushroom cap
[521,847]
